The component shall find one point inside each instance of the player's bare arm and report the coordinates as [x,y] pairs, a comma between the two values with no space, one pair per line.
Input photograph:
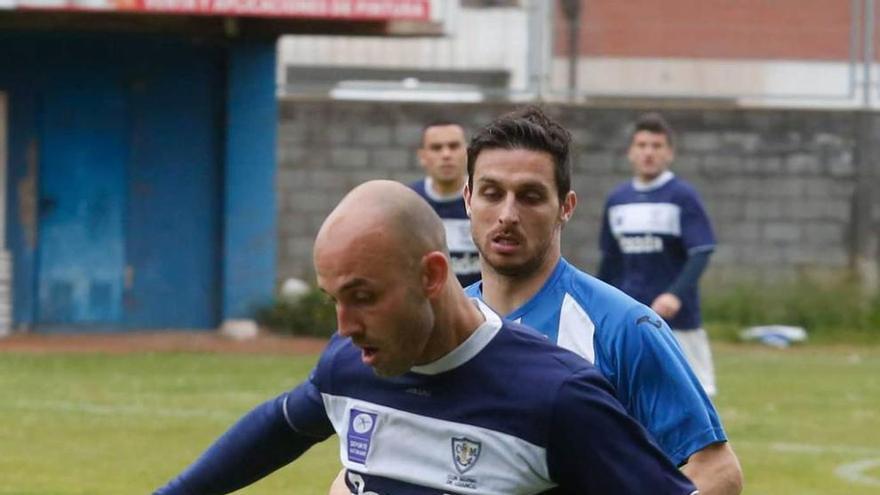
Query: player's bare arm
[338,487]
[715,470]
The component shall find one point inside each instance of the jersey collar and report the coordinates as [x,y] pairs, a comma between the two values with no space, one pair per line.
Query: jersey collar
[440,198]
[656,183]
[561,267]
[469,348]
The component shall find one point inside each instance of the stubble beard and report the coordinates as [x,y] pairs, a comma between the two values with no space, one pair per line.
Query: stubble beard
[520,271]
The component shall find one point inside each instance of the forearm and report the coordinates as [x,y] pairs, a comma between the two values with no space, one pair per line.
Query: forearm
[690,273]
[715,470]
[339,487]
[258,444]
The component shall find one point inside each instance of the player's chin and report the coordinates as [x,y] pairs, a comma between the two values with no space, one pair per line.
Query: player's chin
[506,265]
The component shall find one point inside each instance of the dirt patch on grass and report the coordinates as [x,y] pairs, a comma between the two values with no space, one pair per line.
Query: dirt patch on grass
[168,341]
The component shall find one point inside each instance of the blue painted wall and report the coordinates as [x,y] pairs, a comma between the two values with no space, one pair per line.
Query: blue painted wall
[21,193]
[162,237]
[250,212]
[174,228]
[83,151]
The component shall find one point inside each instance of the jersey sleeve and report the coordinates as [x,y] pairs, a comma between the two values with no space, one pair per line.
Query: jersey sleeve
[656,385]
[596,448]
[696,229]
[689,276]
[611,264]
[269,437]
[607,243]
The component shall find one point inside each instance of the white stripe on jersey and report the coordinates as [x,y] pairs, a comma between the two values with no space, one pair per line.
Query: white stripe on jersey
[418,449]
[645,218]
[458,235]
[576,329]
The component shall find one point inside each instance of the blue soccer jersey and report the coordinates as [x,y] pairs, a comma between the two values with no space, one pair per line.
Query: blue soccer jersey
[633,348]
[462,250]
[505,412]
[651,229]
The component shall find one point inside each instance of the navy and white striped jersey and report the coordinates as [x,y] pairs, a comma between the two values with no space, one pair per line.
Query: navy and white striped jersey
[635,351]
[650,230]
[462,250]
[504,413]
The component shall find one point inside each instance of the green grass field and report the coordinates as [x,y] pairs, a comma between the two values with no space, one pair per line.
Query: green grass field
[803,421]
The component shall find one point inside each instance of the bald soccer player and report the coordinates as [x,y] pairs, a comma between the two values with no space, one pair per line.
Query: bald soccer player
[429,391]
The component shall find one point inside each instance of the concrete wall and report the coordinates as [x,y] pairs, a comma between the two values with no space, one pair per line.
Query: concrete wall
[780,186]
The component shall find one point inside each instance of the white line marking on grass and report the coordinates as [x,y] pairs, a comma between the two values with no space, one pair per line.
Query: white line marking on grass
[116,409]
[854,472]
[803,448]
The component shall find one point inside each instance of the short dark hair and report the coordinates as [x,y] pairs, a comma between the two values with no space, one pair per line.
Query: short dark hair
[531,129]
[654,123]
[438,123]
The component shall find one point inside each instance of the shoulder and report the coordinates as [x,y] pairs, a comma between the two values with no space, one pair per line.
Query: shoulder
[418,186]
[620,192]
[534,355]
[339,356]
[617,316]
[598,298]
[683,190]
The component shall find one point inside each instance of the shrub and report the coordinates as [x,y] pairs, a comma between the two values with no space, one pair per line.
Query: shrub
[311,314]
[820,305]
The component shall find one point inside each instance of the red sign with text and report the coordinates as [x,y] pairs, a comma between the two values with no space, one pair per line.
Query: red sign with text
[414,10]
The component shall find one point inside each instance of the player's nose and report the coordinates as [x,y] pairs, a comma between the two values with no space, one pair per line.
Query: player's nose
[508,213]
[347,322]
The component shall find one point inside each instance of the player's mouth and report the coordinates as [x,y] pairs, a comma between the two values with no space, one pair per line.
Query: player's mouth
[505,243]
[368,355]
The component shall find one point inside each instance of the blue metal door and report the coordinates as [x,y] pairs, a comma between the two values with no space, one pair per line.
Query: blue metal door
[81,259]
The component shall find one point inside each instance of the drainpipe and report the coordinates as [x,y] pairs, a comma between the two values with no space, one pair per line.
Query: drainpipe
[571,9]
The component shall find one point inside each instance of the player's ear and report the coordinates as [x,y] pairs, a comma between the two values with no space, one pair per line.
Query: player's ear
[435,270]
[566,210]
[466,193]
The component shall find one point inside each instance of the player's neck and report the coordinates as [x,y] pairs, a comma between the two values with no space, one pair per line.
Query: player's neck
[446,189]
[506,293]
[457,319]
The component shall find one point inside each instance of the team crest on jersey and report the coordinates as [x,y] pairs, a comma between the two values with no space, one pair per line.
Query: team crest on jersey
[465,453]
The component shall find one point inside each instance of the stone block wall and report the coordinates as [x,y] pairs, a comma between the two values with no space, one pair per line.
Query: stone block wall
[780,186]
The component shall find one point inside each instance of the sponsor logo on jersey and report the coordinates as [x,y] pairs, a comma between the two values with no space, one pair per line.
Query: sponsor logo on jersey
[640,244]
[465,453]
[647,319]
[361,425]
[638,218]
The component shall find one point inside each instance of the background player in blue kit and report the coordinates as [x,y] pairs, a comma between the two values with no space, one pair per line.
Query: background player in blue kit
[443,155]
[656,241]
[519,197]
[429,391]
